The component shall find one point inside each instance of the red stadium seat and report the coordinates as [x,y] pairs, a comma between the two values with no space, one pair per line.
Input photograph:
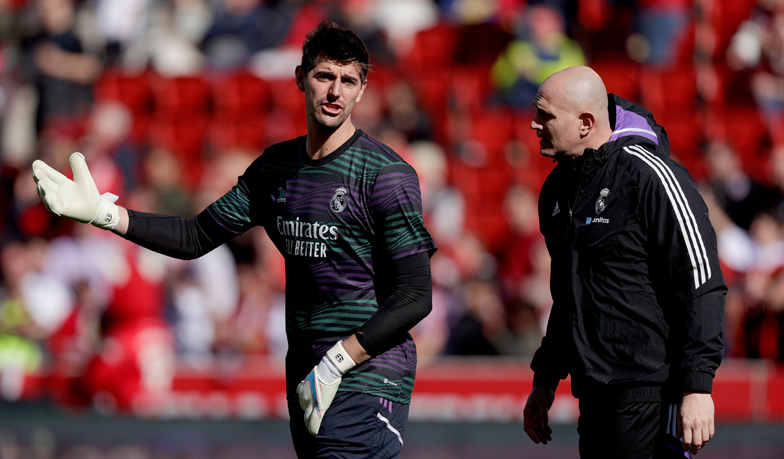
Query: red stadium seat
[743,128]
[432,49]
[663,92]
[285,94]
[621,76]
[240,94]
[247,132]
[132,90]
[493,129]
[685,130]
[180,96]
[728,16]
[432,89]
[185,137]
[470,85]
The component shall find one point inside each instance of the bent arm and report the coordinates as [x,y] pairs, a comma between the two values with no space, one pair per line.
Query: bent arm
[409,303]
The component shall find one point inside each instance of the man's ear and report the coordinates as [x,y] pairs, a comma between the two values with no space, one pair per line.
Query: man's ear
[299,77]
[587,122]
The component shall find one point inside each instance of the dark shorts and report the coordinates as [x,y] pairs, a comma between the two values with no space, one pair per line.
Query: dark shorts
[355,426]
[629,430]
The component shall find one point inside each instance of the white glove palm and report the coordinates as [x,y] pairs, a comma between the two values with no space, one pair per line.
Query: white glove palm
[77,199]
[319,388]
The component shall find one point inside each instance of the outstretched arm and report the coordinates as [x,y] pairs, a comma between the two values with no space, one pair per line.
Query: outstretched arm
[80,200]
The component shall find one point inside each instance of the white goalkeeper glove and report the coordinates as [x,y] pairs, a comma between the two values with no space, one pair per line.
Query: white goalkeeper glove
[77,199]
[318,389]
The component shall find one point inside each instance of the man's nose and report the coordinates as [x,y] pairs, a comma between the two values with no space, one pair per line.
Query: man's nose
[335,89]
[534,125]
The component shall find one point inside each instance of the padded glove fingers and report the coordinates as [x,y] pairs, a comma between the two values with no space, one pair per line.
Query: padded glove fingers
[77,199]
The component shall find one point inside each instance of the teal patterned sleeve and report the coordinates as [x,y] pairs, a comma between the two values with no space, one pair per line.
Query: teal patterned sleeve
[396,204]
[232,211]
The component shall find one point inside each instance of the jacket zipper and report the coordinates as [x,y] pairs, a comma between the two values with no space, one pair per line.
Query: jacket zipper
[577,190]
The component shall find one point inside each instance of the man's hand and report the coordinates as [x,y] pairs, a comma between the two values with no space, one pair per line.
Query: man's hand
[318,389]
[77,199]
[695,421]
[535,418]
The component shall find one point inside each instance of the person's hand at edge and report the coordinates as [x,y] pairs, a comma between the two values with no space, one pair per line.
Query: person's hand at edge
[696,421]
[535,414]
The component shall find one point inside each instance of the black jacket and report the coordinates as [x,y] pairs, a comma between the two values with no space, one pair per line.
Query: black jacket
[638,295]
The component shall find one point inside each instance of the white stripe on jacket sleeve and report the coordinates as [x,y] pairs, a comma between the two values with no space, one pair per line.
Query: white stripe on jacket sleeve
[688,224]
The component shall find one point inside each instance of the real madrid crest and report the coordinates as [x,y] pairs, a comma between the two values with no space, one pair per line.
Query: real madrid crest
[338,201]
[601,203]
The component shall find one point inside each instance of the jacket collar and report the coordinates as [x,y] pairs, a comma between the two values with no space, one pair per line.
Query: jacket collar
[634,125]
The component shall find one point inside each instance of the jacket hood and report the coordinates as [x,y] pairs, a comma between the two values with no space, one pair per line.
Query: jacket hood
[633,124]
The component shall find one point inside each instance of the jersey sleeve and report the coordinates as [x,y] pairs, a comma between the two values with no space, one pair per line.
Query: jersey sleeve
[232,211]
[396,208]
[686,268]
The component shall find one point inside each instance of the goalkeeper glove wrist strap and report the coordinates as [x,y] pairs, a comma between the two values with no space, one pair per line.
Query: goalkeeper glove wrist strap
[340,358]
[108,214]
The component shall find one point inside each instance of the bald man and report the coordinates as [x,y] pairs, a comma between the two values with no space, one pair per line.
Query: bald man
[638,296]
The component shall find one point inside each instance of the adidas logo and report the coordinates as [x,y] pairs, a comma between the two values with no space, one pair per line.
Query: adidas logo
[557,210]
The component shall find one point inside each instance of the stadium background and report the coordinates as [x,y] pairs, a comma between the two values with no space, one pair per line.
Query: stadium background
[108,351]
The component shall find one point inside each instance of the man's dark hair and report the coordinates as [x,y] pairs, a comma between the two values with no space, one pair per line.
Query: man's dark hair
[336,43]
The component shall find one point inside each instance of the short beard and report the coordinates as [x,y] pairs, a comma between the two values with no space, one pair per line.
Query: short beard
[332,123]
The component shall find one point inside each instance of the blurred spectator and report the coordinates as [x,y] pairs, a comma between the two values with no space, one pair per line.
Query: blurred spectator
[521,212]
[120,23]
[660,30]
[358,16]
[535,289]
[170,42]
[205,295]
[107,140]
[541,48]
[738,195]
[759,45]
[443,205]
[523,336]
[244,27]
[736,248]
[259,325]
[47,300]
[252,322]
[136,353]
[55,63]
[20,335]
[762,287]
[400,21]
[371,112]
[406,114]
[775,168]
[432,334]
[192,18]
[481,324]
[164,175]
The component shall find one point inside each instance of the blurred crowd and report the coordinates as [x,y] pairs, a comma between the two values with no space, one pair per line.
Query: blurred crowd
[170,100]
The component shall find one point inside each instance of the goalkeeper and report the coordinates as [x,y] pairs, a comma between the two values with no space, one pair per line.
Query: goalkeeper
[345,211]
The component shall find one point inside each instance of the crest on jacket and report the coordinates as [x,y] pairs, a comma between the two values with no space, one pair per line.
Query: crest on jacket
[601,203]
